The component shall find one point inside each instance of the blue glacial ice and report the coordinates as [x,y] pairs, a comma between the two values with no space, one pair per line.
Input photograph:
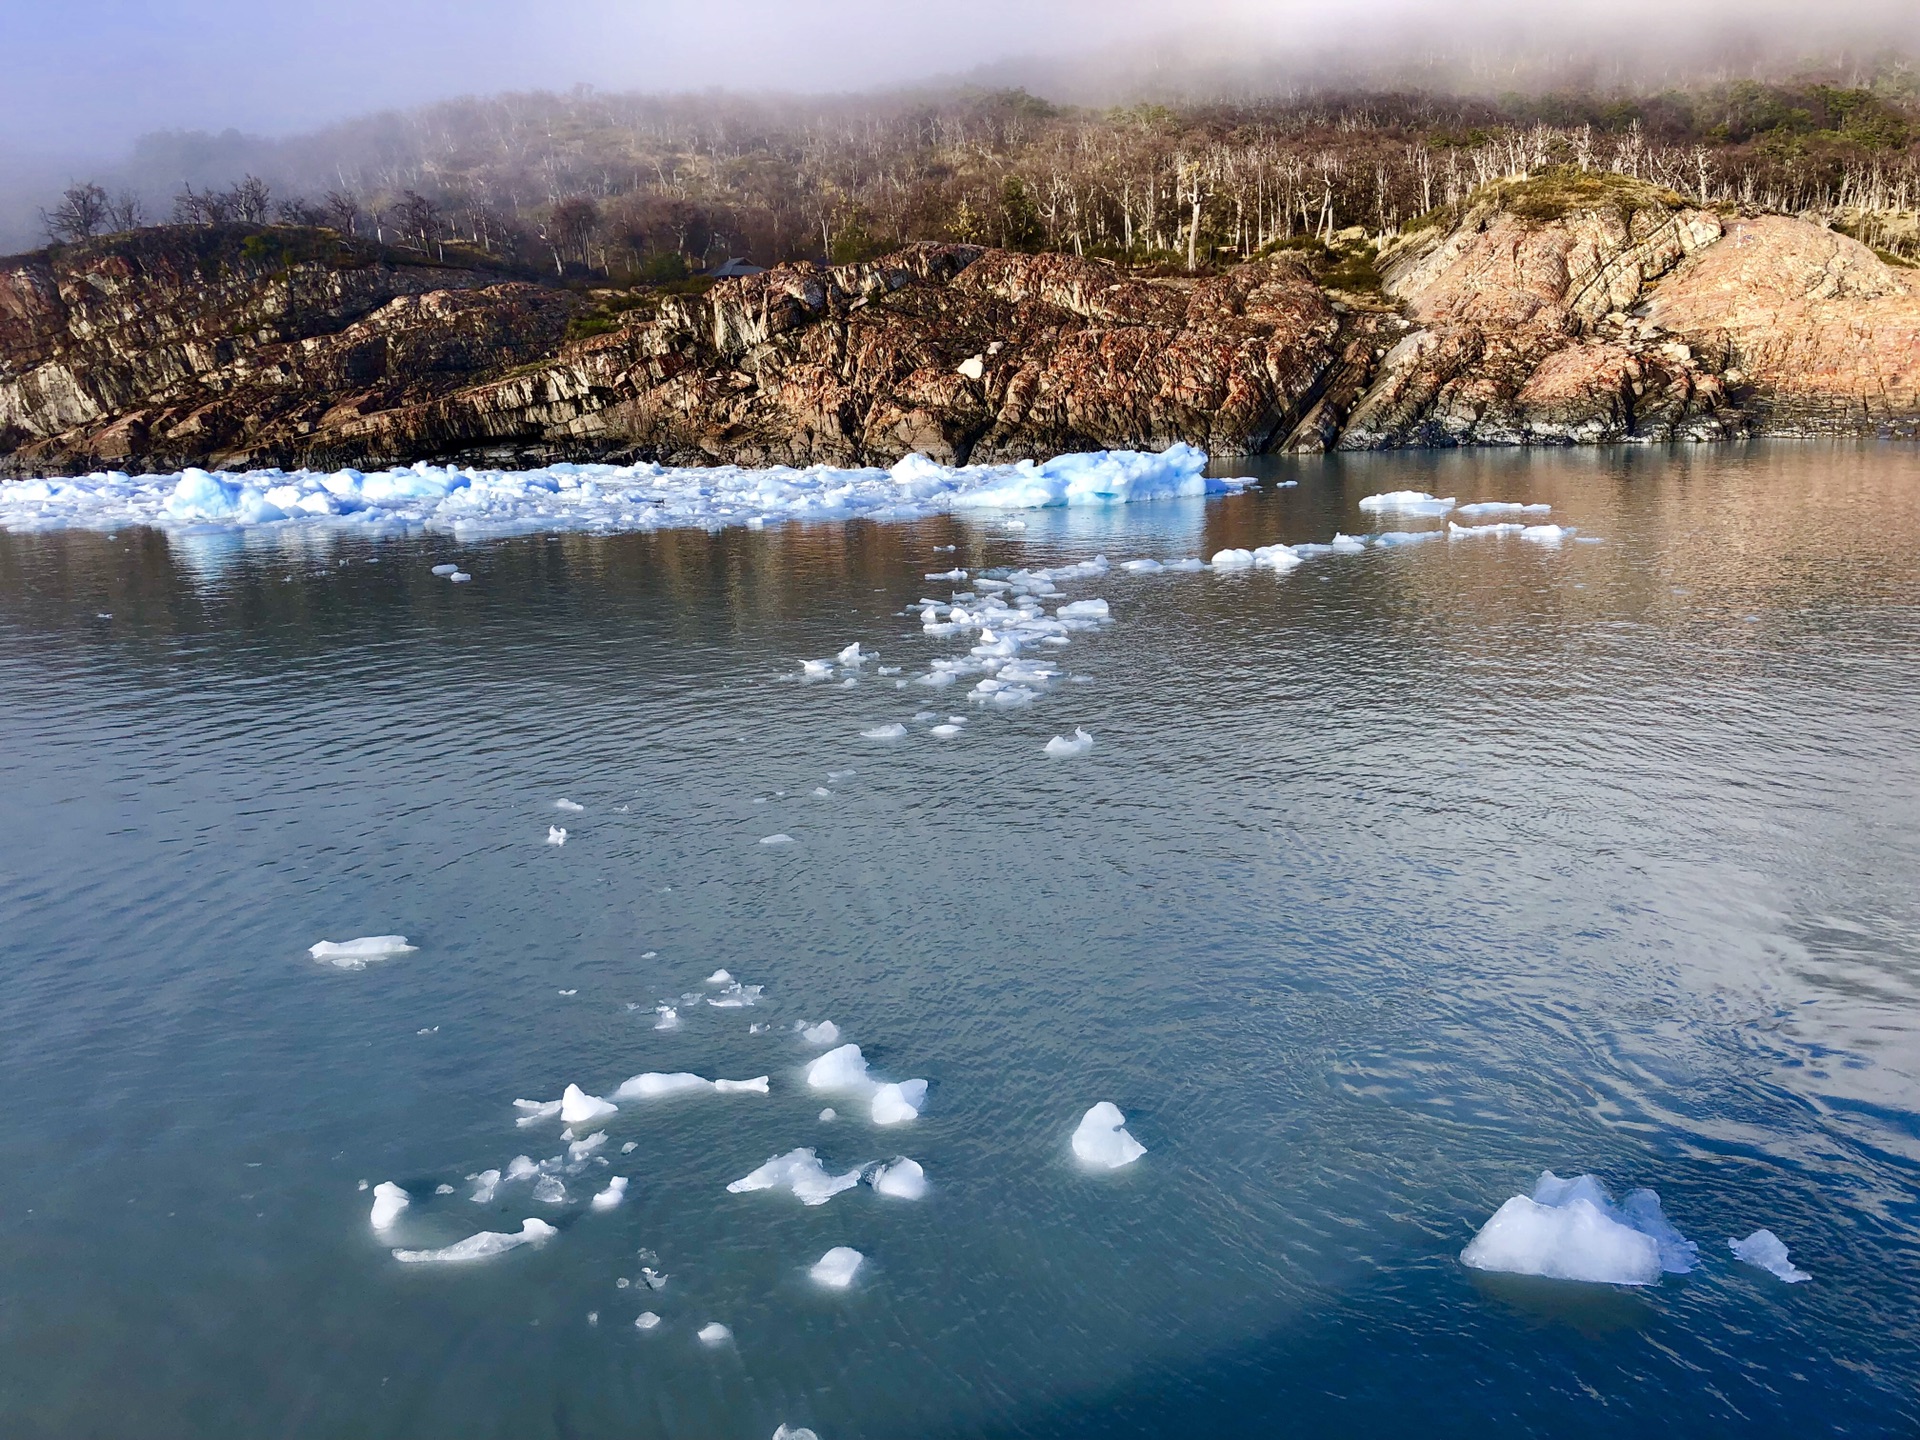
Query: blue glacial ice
[1765,1249]
[799,1172]
[1571,1230]
[1102,1141]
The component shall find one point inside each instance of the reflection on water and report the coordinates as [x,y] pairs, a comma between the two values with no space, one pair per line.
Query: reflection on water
[1391,882]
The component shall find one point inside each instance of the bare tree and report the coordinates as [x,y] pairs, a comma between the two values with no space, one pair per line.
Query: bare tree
[83,210]
[571,228]
[251,201]
[124,213]
[342,212]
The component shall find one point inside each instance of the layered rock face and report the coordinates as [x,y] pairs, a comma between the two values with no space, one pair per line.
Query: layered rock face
[1625,316]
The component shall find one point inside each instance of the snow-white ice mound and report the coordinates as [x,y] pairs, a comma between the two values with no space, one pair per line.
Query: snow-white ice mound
[714,1333]
[652,1086]
[800,1172]
[835,1269]
[389,1200]
[479,1247]
[1406,502]
[470,501]
[354,954]
[579,1108]
[1061,748]
[1571,1230]
[903,1179]
[843,1071]
[610,1197]
[1102,1141]
[825,1033]
[1765,1249]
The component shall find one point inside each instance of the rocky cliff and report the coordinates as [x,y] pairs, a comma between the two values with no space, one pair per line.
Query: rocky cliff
[1566,309]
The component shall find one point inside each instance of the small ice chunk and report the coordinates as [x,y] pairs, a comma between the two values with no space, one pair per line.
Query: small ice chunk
[579,1108]
[885,732]
[480,1247]
[891,669]
[550,1190]
[354,954]
[532,1112]
[720,977]
[822,791]
[1061,748]
[1570,1230]
[1346,544]
[714,1333]
[629,1147]
[825,1033]
[566,992]
[569,806]
[1232,559]
[459,577]
[755,1086]
[615,1192]
[1102,1140]
[901,1178]
[579,1150]
[1143,567]
[780,839]
[645,1320]
[945,732]
[799,1171]
[443,1189]
[1546,534]
[828,1114]
[1084,610]
[1504,507]
[854,655]
[1765,1249]
[485,1185]
[835,1269]
[794,1432]
[667,1018]
[1406,502]
[842,1069]
[948,575]
[556,835]
[388,1201]
[444,570]
[897,1104]
[816,669]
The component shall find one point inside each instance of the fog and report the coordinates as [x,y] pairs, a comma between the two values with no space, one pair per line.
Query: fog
[90,76]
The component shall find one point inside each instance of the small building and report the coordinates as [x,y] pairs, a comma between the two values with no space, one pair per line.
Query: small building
[734,269]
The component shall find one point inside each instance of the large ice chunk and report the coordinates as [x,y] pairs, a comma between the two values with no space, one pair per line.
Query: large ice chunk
[843,1069]
[885,732]
[1571,1230]
[800,1172]
[1764,1248]
[1061,748]
[1406,502]
[714,1333]
[579,1108]
[825,1033]
[901,1178]
[615,1192]
[354,954]
[897,1104]
[835,1269]
[388,1201]
[1102,1140]
[480,1247]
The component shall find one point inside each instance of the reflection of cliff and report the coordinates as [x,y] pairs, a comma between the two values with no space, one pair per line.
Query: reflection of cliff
[1568,309]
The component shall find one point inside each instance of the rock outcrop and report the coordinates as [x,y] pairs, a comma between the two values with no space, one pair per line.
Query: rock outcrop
[1563,310]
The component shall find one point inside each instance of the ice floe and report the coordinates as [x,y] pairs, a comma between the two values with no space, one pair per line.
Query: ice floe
[556,835]
[825,1033]
[354,954]
[800,1172]
[1765,1249]
[615,1192]
[569,806]
[714,1333]
[485,1186]
[1546,534]
[794,1432]
[1407,537]
[1102,1141]
[1571,1230]
[579,1108]
[388,1201]
[885,732]
[896,1104]
[844,1071]
[480,1247]
[646,1320]
[1406,502]
[654,1086]
[666,1017]
[835,1269]
[901,1178]
[1061,748]
[445,570]
[1504,507]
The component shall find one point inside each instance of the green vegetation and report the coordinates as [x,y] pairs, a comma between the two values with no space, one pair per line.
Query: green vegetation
[1561,191]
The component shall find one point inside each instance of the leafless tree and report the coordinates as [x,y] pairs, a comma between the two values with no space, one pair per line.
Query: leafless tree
[82,210]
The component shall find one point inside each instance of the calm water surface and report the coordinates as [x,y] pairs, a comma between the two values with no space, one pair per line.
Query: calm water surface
[1391,882]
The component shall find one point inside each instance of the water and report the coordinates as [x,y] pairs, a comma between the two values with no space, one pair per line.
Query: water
[1390,883]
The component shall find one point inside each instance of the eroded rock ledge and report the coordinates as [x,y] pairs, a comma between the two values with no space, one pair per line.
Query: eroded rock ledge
[1544,313]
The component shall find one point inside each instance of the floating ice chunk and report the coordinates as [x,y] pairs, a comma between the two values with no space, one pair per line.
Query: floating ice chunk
[949,575]
[532,1112]
[1504,507]
[645,1320]
[794,1432]
[799,1171]
[579,1150]
[1102,1141]
[354,954]
[549,1190]
[1497,528]
[843,1069]
[736,996]
[945,732]
[854,655]
[836,1269]
[816,669]
[629,1147]
[615,1192]
[568,805]
[720,977]
[1570,1230]
[1346,544]
[1765,1249]
[459,577]
[556,835]
[1407,537]
[828,1115]
[885,732]
[485,1186]
[1406,502]
[1143,567]
[666,1018]
[755,1086]
[1232,559]
[444,570]
[579,1108]
[1546,534]
[896,1104]
[825,1033]
[388,1201]
[1062,748]
[890,669]
[653,1086]
[714,1333]
[479,1247]
[1191,563]
[1084,610]
[901,1178]
[522,1167]
[781,838]
[443,1189]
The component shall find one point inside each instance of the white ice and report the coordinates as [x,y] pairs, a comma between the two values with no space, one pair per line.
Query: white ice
[885,732]
[800,1172]
[388,1201]
[843,1069]
[825,1033]
[354,954]
[854,655]
[736,996]
[1101,1139]
[1496,528]
[1546,534]
[1764,1248]
[896,1104]
[1406,502]
[1504,507]
[532,1112]
[569,806]
[794,1432]
[667,1018]
[720,977]
[615,1192]
[653,1086]
[444,570]
[485,1185]
[714,1333]
[945,732]
[556,835]
[836,1269]
[1062,748]
[780,838]
[1571,1230]
[827,1115]
[1084,610]
[901,1178]
[816,669]
[1143,567]
[579,1108]
[645,1320]
[480,1247]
